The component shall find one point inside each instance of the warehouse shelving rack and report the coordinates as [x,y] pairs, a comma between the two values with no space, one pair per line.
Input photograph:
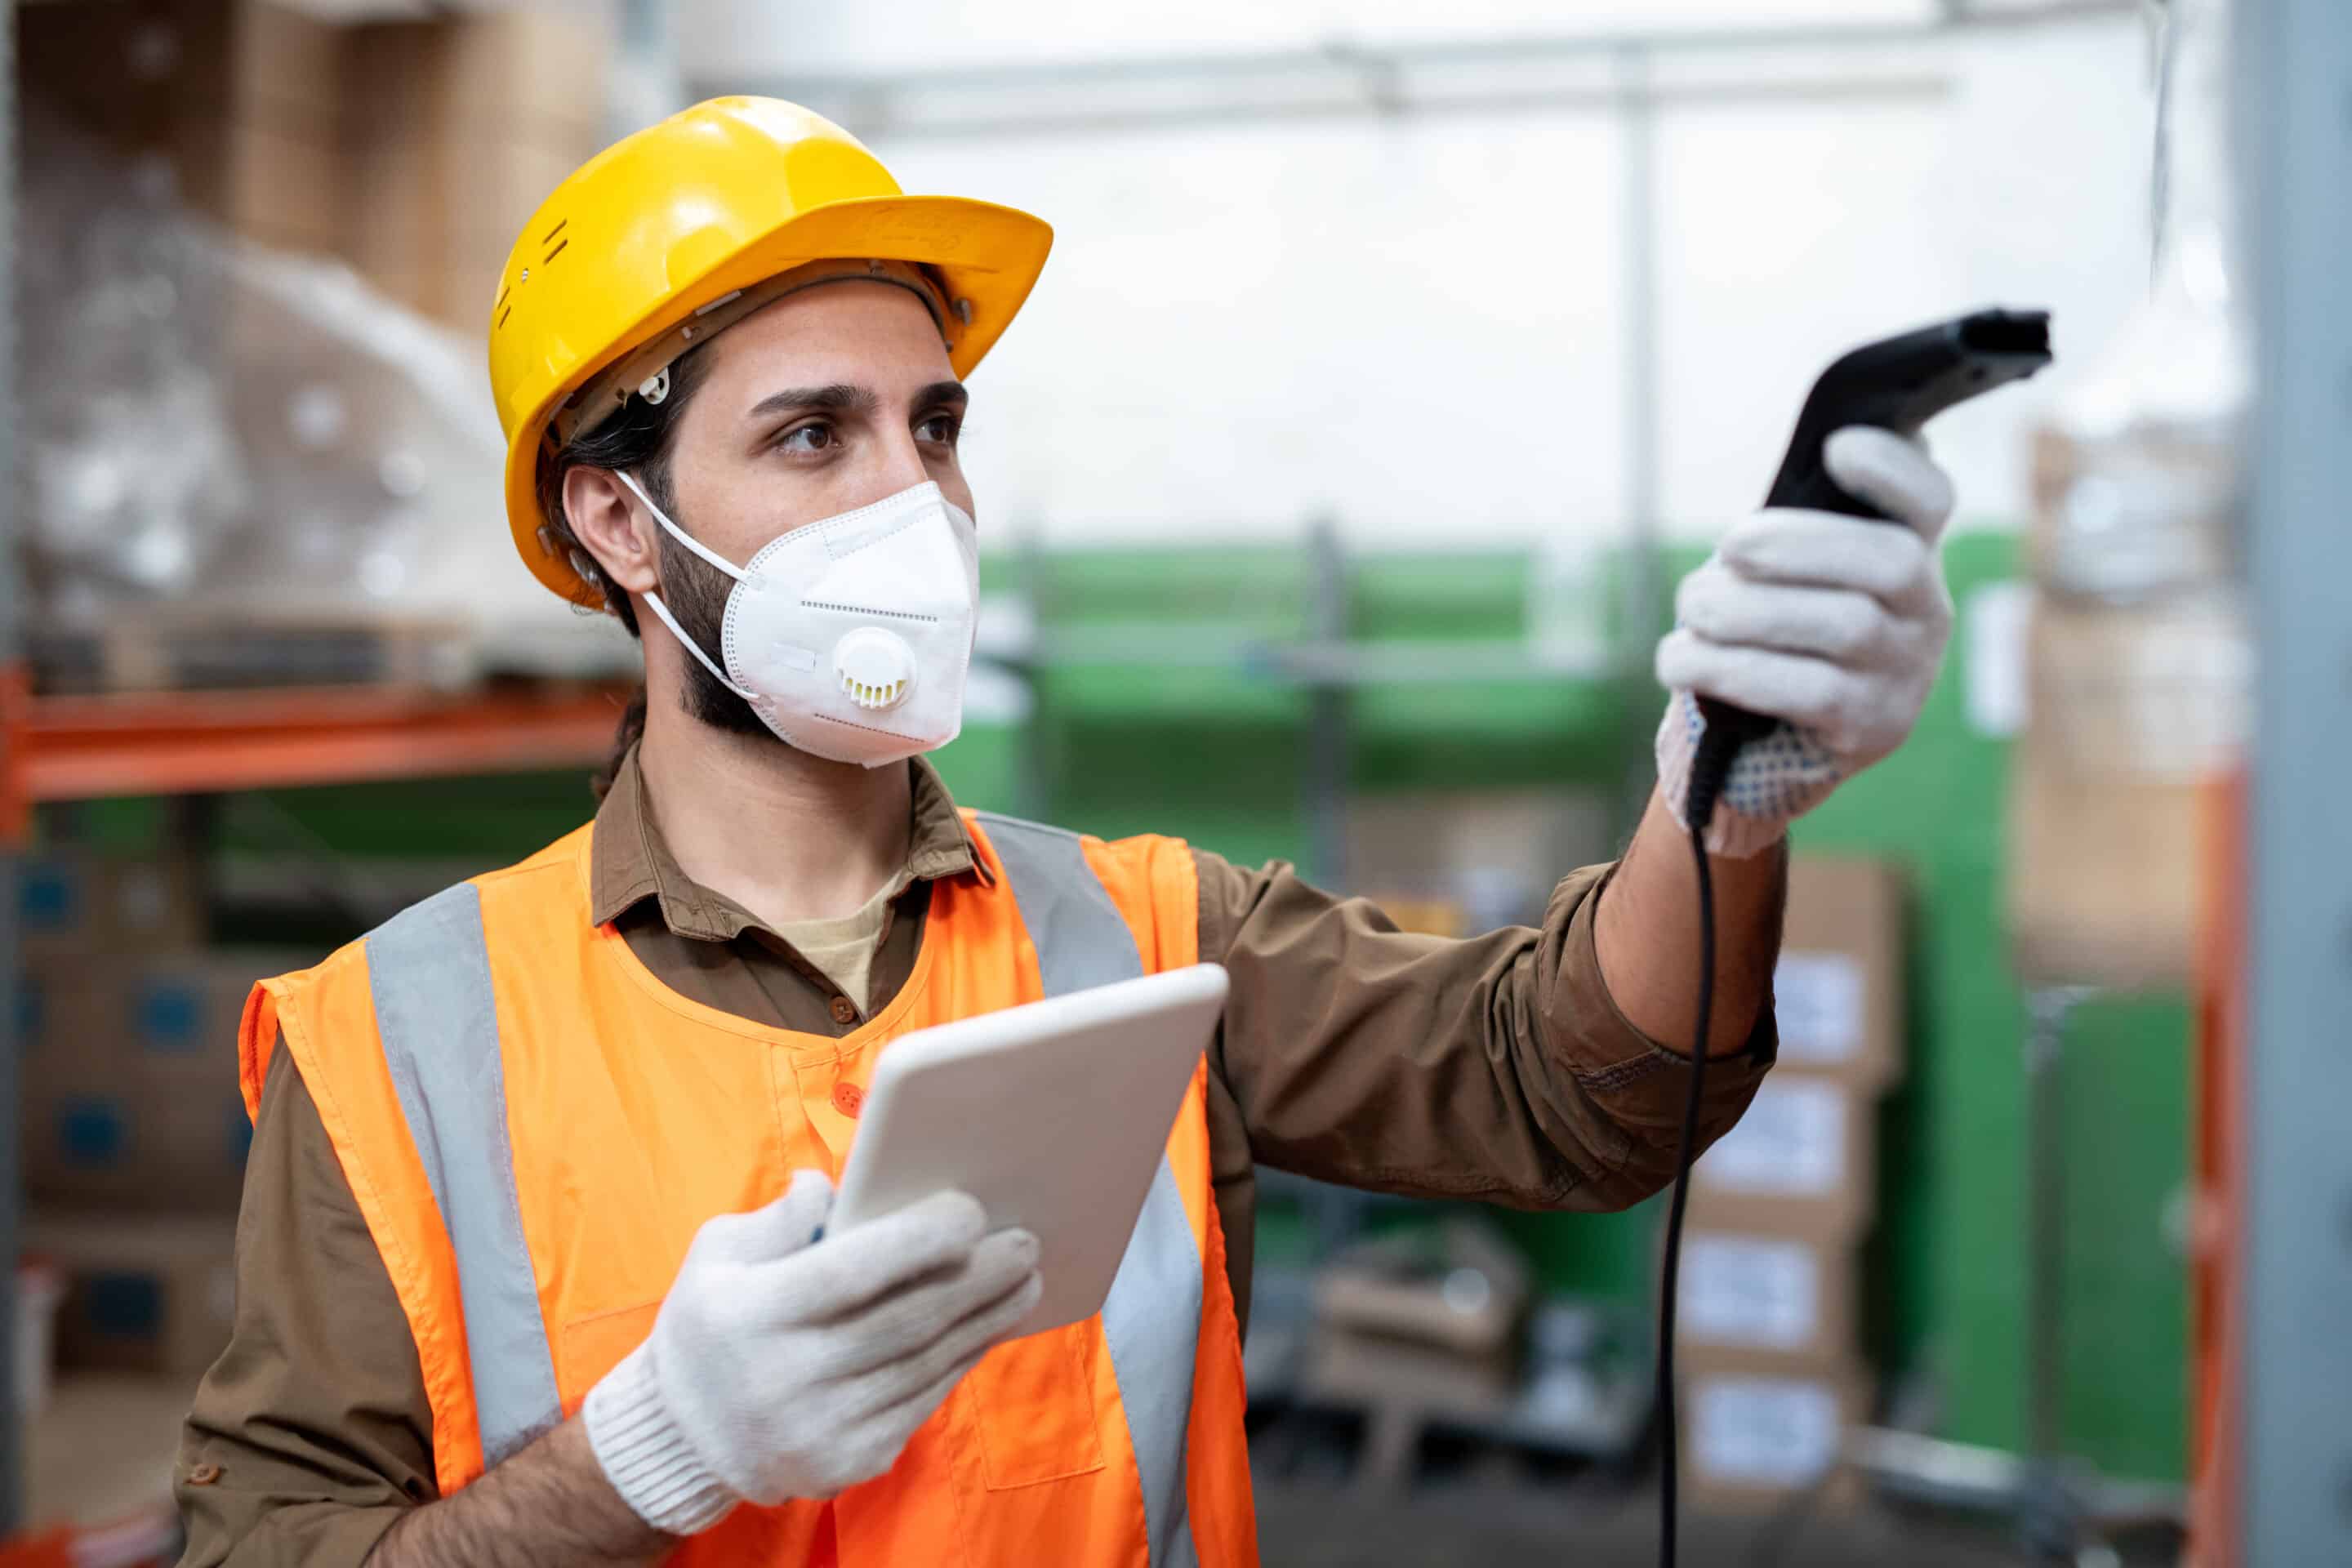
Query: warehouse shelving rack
[196,743]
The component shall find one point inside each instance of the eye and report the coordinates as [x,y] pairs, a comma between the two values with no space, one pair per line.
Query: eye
[943,428]
[817,435]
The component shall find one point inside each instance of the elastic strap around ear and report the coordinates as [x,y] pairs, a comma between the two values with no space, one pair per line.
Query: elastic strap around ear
[678,533]
[694,647]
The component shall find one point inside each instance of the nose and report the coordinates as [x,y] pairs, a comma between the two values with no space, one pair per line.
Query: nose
[901,464]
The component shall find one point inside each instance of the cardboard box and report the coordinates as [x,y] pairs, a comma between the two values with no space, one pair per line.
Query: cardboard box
[284,188]
[69,905]
[239,99]
[412,151]
[1347,1368]
[142,1293]
[2143,507]
[1756,1428]
[2103,878]
[1838,990]
[167,1150]
[2130,711]
[1803,1161]
[1456,1287]
[245,59]
[106,1023]
[437,219]
[1757,1291]
[129,1080]
[536,70]
[467,124]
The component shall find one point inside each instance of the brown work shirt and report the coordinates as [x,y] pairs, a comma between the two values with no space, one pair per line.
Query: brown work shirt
[1496,1068]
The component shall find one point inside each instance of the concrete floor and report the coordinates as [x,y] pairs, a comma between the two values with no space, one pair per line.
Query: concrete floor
[1309,1526]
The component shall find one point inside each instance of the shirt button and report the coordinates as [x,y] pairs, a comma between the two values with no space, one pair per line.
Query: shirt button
[844,1011]
[849,1099]
[204,1474]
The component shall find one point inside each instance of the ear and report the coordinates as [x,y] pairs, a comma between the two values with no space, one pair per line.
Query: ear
[615,529]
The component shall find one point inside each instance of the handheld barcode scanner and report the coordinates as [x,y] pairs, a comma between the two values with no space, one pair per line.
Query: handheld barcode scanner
[1896,384]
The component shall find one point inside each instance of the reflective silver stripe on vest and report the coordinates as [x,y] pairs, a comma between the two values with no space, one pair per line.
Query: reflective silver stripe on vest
[1153,1319]
[429,972]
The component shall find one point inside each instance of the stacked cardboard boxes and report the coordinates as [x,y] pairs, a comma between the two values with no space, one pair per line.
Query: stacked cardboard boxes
[144,1293]
[1768,1322]
[134,1131]
[1415,1328]
[69,906]
[131,1078]
[412,151]
[2136,699]
[235,105]
[460,128]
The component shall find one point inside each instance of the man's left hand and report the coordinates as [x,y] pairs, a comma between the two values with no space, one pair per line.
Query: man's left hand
[1834,624]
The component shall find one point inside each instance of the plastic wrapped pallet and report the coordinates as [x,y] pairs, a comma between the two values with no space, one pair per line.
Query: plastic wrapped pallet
[235,448]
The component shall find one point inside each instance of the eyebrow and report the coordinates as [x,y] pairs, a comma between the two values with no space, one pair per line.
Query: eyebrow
[943,391]
[840,396]
[845,397]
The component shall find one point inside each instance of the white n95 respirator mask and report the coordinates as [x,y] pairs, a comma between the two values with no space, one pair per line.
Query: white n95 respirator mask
[850,638]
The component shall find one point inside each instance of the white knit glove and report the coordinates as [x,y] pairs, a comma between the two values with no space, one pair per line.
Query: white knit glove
[1834,624]
[782,1368]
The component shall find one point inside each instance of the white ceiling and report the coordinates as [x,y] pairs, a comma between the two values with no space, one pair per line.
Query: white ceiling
[748,37]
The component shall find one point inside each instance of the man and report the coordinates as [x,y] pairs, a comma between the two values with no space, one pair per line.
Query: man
[532,1267]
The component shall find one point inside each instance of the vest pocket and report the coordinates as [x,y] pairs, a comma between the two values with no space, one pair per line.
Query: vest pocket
[1035,1404]
[590,1347]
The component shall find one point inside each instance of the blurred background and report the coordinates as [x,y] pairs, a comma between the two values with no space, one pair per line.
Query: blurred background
[1393,362]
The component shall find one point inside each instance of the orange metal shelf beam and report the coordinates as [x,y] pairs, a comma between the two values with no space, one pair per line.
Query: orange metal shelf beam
[196,743]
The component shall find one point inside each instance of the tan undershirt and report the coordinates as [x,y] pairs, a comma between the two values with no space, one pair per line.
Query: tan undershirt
[843,949]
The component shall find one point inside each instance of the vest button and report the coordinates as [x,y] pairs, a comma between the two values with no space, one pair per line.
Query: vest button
[204,1474]
[844,1011]
[849,1099]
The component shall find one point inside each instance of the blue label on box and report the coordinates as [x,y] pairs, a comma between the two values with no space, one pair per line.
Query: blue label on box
[123,1305]
[48,896]
[92,1130]
[168,1016]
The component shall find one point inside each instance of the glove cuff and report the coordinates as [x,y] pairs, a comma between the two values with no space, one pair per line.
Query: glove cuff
[1777,779]
[645,1454]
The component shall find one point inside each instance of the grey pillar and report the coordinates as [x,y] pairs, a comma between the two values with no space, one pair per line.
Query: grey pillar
[2295,76]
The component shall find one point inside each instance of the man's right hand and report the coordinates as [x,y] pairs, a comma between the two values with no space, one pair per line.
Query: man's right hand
[783,1367]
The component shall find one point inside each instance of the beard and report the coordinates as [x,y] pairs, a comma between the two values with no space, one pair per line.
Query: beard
[695,593]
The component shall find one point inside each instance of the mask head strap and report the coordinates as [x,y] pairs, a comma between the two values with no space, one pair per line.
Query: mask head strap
[678,533]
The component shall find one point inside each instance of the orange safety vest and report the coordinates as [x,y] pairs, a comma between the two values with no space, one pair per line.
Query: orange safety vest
[534,1127]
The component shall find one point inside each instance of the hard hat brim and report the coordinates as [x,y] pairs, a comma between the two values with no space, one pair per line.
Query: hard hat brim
[988,255]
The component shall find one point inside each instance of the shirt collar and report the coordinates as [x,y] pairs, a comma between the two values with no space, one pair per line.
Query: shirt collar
[629,863]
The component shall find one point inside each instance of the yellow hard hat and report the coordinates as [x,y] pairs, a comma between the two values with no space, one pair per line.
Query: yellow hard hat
[684,213]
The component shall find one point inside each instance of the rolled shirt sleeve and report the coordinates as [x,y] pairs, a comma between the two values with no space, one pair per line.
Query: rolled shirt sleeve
[1496,1068]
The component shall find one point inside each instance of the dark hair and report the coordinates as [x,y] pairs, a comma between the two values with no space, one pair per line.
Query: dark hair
[638,439]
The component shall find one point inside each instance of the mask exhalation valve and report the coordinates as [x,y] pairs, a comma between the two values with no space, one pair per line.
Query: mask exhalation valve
[875,668]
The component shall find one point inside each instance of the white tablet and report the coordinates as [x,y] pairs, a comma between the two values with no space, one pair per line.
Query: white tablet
[1054,1115]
